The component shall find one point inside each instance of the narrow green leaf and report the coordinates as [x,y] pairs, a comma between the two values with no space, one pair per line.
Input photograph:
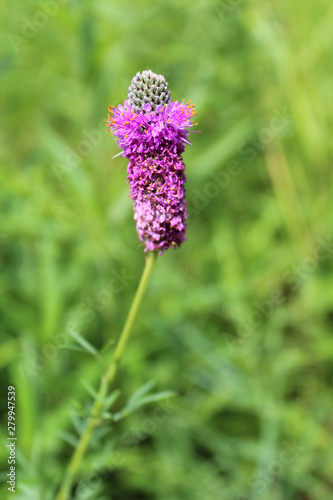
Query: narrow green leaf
[89,389]
[132,406]
[68,438]
[85,344]
[110,400]
[107,415]
[142,391]
[71,348]
[77,423]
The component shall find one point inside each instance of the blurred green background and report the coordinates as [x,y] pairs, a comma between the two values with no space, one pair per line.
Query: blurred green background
[238,321]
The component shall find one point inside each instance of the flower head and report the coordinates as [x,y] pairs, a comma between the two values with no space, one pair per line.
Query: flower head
[152,132]
[148,88]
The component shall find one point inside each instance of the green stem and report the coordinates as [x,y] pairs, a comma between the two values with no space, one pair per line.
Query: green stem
[93,421]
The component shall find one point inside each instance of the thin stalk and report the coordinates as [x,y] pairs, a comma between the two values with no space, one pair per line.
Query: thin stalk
[106,380]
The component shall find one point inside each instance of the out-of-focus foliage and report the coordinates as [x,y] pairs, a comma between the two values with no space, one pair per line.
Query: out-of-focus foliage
[238,321]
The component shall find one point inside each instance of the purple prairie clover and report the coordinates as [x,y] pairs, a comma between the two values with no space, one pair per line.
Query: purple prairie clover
[152,132]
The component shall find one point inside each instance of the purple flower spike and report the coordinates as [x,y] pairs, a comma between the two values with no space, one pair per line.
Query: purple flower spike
[152,132]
